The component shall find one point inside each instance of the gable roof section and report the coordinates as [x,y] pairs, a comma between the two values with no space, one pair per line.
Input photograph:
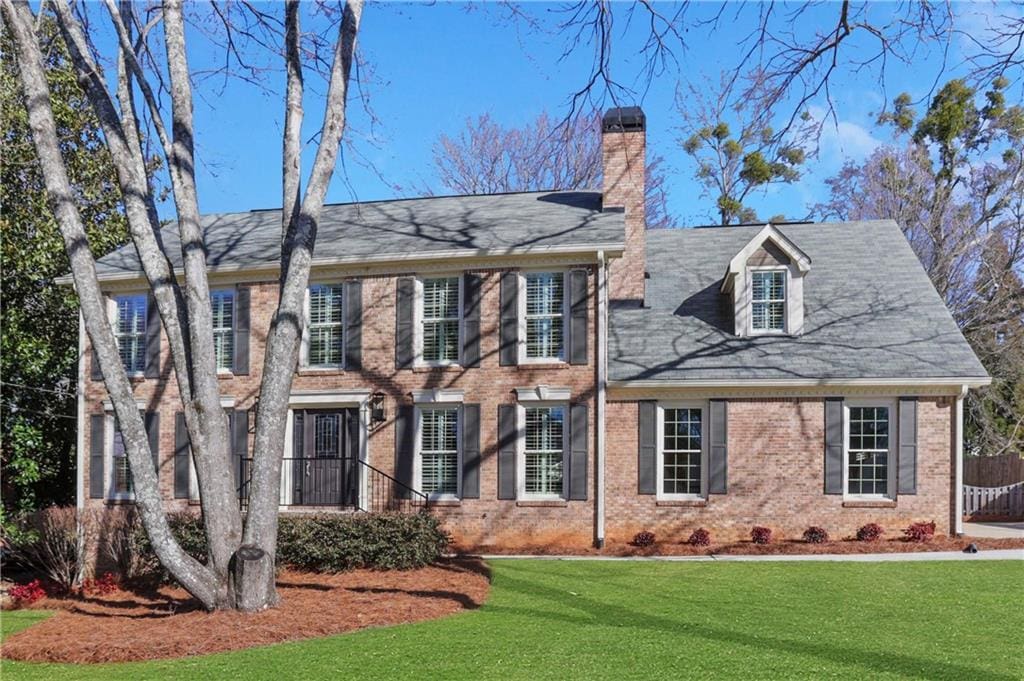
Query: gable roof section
[769,233]
[407,229]
[871,313]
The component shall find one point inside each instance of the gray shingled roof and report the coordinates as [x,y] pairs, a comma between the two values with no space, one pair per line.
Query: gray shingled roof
[496,223]
[871,312]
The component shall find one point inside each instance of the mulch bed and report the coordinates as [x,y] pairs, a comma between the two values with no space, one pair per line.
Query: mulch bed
[777,547]
[167,623]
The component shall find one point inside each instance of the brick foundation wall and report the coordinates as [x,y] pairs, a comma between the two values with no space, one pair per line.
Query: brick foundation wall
[775,476]
[483,521]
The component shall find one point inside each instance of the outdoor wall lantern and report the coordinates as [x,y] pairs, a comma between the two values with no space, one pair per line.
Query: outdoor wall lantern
[378,414]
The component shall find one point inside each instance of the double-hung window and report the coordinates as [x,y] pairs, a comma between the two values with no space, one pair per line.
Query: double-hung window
[325,330]
[869,470]
[544,316]
[223,304]
[544,451]
[121,486]
[440,320]
[768,300]
[130,332]
[681,470]
[439,451]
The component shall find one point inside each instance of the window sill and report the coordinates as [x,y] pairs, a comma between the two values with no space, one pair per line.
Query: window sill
[546,365]
[869,503]
[445,503]
[542,503]
[224,374]
[435,368]
[320,371]
[682,503]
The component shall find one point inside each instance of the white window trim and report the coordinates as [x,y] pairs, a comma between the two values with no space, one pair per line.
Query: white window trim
[521,452]
[784,331]
[890,403]
[703,405]
[226,371]
[112,318]
[439,396]
[521,316]
[307,316]
[417,472]
[418,360]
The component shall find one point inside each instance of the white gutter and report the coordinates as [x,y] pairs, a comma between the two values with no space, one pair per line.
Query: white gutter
[610,248]
[956,381]
[602,380]
[958,453]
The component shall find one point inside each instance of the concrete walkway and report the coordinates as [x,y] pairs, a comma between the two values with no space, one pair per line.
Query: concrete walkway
[994,530]
[997,554]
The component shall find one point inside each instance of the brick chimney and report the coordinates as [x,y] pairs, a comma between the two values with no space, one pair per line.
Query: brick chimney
[624,145]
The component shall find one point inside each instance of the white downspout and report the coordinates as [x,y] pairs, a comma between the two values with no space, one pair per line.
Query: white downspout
[80,440]
[602,382]
[958,453]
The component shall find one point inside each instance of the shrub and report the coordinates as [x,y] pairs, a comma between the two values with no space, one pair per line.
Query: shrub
[384,541]
[126,545]
[919,532]
[48,541]
[869,532]
[699,537]
[761,535]
[26,594]
[107,584]
[815,535]
[186,527]
[643,539]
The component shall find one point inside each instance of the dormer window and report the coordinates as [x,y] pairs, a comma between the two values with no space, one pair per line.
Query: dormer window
[768,301]
[765,281]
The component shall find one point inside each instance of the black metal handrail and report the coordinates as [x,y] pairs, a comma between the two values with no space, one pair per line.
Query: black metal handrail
[343,482]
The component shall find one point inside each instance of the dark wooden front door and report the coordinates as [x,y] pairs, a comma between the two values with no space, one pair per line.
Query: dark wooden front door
[326,469]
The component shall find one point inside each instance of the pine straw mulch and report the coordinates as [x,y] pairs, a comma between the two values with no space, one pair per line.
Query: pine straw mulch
[163,623]
[777,547]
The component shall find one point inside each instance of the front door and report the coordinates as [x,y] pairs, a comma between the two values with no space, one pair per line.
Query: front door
[326,470]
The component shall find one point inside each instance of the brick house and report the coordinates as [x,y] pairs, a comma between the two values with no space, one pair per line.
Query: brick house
[540,370]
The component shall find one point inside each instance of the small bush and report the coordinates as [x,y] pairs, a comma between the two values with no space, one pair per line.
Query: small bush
[815,535]
[48,541]
[643,539]
[919,532]
[126,545]
[761,535]
[138,553]
[26,594]
[699,537]
[107,584]
[869,532]
[382,541]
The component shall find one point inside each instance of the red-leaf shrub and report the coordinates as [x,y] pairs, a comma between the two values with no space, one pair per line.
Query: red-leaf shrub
[919,532]
[815,535]
[761,535]
[700,537]
[869,532]
[27,594]
[107,584]
[644,538]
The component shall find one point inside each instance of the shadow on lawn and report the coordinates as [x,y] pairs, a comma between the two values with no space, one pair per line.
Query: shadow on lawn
[598,612]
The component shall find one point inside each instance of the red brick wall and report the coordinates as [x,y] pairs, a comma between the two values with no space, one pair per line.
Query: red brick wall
[486,520]
[624,176]
[775,476]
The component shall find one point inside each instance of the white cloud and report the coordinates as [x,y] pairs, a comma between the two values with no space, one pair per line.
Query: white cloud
[842,140]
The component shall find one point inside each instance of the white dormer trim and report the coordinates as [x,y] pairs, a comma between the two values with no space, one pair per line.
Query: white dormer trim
[737,282]
[769,232]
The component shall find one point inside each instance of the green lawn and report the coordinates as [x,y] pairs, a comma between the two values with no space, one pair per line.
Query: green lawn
[662,620]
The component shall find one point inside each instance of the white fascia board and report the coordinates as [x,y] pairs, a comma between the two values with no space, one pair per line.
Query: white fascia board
[611,250]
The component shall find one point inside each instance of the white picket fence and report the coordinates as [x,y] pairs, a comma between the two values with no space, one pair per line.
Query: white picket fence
[1006,501]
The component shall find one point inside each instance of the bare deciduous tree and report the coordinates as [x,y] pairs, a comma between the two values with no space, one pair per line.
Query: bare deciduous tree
[486,158]
[183,301]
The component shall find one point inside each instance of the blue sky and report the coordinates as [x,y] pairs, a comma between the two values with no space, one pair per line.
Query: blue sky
[433,66]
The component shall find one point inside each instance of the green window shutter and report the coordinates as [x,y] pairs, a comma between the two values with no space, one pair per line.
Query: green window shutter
[471,451]
[578,317]
[406,293]
[907,464]
[833,445]
[578,449]
[507,442]
[718,450]
[508,351]
[647,463]
[471,291]
[353,333]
